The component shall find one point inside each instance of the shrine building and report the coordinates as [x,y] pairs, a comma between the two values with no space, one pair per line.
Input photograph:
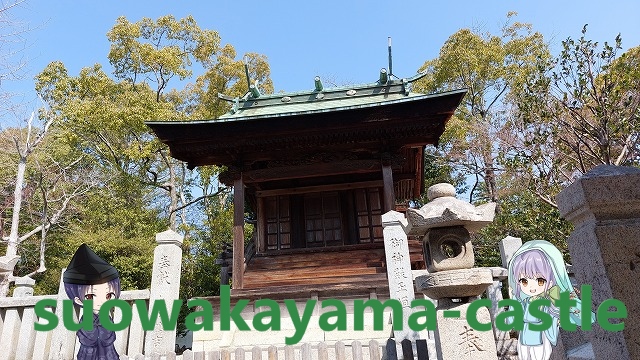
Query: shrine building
[317,169]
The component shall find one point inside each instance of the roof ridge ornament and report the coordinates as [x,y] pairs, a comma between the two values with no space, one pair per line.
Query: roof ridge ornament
[383,76]
[318,84]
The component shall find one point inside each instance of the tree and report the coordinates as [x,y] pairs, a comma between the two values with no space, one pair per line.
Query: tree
[228,75]
[49,179]
[160,50]
[489,67]
[144,188]
[10,36]
[581,110]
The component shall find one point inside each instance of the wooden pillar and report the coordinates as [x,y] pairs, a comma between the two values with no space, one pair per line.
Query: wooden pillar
[388,194]
[418,186]
[238,233]
[261,245]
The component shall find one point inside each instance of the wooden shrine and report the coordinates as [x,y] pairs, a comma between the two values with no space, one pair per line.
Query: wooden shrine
[318,168]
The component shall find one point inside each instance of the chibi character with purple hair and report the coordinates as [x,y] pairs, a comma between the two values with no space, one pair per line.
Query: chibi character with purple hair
[537,271]
[89,277]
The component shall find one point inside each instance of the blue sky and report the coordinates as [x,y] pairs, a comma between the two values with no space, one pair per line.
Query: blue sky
[342,41]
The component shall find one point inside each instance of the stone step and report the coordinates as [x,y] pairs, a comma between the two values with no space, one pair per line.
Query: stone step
[582,352]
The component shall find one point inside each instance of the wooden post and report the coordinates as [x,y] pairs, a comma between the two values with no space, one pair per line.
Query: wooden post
[238,233]
[261,245]
[388,193]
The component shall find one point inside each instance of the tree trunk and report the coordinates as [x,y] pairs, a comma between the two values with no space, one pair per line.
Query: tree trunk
[12,244]
[490,178]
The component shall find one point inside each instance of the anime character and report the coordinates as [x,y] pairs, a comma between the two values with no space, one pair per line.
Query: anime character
[537,270]
[89,277]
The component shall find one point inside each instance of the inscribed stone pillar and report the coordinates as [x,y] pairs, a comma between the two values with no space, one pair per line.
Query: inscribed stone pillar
[508,247]
[165,285]
[456,339]
[604,206]
[396,248]
[455,289]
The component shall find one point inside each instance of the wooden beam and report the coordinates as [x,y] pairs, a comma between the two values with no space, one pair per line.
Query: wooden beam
[319,188]
[388,194]
[312,170]
[238,233]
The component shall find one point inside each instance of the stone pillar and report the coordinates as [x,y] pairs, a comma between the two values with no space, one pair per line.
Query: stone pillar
[63,341]
[27,335]
[396,248]
[18,334]
[494,293]
[454,290]
[604,206]
[165,285]
[508,247]
[504,344]
[7,263]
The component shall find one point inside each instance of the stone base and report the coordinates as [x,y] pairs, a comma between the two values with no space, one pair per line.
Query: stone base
[216,339]
[456,340]
[461,283]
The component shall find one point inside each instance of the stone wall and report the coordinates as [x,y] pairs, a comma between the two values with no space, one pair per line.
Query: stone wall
[604,206]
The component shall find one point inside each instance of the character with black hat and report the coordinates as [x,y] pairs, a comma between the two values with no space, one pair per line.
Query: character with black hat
[89,277]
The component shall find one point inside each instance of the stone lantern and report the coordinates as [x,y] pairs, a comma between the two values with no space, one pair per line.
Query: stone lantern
[445,224]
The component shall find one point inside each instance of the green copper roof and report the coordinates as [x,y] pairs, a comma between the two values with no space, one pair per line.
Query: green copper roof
[333,99]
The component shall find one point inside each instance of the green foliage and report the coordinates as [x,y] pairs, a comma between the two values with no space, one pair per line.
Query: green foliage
[580,110]
[531,123]
[165,48]
[228,76]
[489,67]
[438,169]
[120,227]
[139,190]
[524,216]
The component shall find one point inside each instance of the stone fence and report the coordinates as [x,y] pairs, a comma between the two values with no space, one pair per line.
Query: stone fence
[19,340]
[339,350]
